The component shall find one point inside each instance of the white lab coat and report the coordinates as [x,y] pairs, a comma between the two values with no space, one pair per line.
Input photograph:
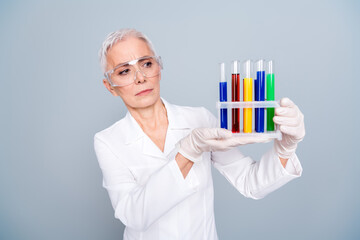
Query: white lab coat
[150,195]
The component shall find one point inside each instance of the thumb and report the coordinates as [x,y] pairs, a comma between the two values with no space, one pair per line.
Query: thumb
[223,133]
[212,133]
[286,102]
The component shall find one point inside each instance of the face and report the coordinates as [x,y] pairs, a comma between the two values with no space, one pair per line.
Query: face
[143,92]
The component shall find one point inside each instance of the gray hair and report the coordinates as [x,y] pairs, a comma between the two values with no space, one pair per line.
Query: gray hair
[118,36]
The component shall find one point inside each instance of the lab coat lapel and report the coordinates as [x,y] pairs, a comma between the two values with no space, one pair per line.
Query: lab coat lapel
[135,135]
[177,129]
[176,117]
[132,131]
[149,148]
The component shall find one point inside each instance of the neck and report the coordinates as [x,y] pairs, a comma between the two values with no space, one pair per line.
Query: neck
[151,117]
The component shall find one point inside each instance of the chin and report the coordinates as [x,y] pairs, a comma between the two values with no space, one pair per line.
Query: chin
[144,101]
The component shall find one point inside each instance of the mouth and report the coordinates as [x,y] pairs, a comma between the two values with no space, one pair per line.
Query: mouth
[144,92]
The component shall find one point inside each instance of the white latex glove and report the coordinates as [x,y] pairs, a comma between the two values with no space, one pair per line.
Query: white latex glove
[212,139]
[291,122]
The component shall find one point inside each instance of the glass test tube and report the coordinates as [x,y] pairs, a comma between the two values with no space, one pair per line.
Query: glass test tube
[248,96]
[270,96]
[223,96]
[259,95]
[235,96]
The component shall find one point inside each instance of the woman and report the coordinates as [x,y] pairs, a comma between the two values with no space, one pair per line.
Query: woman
[156,161]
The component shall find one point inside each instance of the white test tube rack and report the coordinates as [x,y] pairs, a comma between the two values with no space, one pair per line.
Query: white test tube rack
[253,104]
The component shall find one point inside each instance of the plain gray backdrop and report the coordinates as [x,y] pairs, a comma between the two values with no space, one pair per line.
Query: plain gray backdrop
[53,102]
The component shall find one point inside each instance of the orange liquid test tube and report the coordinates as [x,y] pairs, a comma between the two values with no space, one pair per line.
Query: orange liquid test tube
[248,96]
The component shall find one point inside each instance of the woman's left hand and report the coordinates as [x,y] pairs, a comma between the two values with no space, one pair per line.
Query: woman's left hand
[291,122]
[212,139]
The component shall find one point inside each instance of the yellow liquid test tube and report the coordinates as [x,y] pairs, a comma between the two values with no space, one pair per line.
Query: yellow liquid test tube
[248,96]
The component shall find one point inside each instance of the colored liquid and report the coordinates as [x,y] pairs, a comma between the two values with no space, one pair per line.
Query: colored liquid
[270,96]
[259,96]
[235,97]
[248,87]
[223,98]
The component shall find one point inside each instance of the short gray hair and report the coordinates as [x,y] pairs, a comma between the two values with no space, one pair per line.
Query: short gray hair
[118,36]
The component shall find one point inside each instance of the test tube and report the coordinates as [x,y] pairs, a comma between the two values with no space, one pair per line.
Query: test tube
[223,96]
[247,95]
[259,95]
[235,96]
[270,96]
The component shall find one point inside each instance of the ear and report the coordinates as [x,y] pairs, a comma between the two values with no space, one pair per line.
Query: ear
[109,87]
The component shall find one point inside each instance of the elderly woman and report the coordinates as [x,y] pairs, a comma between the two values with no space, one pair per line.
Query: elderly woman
[156,161]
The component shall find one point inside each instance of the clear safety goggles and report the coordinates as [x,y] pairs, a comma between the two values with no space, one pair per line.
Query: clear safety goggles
[125,73]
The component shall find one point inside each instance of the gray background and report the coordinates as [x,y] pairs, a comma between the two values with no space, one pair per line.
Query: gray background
[53,102]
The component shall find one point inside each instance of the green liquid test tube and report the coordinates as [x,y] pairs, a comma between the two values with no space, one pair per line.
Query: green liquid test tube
[270,96]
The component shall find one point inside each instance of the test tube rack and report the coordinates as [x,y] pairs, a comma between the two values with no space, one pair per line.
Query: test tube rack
[251,104]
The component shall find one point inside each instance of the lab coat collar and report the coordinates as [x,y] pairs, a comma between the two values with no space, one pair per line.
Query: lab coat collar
[133,131]
[175,118]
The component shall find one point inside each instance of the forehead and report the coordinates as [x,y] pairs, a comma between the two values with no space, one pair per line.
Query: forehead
[126,50]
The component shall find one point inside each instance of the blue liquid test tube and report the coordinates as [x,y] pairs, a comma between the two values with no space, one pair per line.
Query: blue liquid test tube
[259,95]
[223,96]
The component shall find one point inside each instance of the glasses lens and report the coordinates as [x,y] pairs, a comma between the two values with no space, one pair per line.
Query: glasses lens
[124,75]
[149,67]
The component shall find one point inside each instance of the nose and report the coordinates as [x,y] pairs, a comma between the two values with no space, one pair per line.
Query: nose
[139,78]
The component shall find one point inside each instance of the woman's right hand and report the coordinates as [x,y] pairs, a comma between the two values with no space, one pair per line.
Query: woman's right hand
[212,139]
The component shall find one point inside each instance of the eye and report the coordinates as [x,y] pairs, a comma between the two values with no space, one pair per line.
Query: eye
[123,72]
[147,64]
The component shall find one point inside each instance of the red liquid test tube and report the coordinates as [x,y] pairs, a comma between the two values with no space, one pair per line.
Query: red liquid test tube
[235,96]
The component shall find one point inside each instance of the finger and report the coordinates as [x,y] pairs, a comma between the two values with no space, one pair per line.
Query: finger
[241,140]
[219,145]
[212,133]
[286,121]
[225,144]
[291,131]
[223,133]
[286,111]
[286,102]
